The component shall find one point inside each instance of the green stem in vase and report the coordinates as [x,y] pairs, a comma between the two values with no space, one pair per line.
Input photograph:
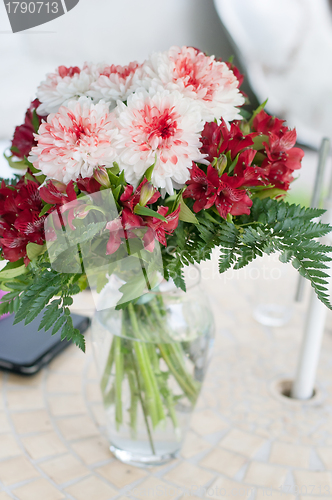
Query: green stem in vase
[162,385]
[144,364]
[109,397]
[190,392]
[144,409]
[154,370]
[134,398]
[107,372]
[174,356]
[118,380]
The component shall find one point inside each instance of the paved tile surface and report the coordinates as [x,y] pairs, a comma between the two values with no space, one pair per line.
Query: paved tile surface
[245,442]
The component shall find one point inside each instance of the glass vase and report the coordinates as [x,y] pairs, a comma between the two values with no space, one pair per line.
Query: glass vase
[152,356]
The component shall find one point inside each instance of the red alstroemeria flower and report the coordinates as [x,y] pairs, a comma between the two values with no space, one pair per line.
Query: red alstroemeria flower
[23,140]
[31,225]
[282,157]
[88,185]
[131,198]
[217,139]
[202,188]
[19,219]
[58,193]
[28,196]
[159,228]
[62,198]
[251,175]
[282,149]
[209,189]
[154,228]
[122,227]
[264,123]
[230,199]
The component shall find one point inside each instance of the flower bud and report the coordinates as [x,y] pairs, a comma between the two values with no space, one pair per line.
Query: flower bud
[59,185]
[101,176]
[245,127]
[81,211]
[221,164]
[147,191]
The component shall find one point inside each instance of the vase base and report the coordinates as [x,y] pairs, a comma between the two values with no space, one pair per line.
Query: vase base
[137,460]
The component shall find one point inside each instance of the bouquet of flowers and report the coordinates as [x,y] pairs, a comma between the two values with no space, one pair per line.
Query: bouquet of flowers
[158,161]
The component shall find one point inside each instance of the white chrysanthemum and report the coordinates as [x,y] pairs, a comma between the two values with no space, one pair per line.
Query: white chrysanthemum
[75,141]
[162,127]
[65,85]
[117,82]
[211,83]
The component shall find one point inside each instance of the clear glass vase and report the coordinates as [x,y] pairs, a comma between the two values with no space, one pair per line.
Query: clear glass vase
[152,357]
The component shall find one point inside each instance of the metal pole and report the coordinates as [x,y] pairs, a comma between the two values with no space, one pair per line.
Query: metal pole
[304,382]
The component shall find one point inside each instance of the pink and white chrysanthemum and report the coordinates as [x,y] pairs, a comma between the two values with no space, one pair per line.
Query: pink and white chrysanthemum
[211,83]
[162,128]
[66,84]
[74,141]
[117,82]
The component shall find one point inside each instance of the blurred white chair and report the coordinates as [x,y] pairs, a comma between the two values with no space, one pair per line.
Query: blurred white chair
[286,46]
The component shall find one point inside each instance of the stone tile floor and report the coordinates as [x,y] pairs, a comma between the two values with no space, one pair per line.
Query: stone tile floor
[245,442]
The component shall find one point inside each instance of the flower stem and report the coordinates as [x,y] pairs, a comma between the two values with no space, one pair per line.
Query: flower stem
[134,393]
[143,403]
[107,372]
[190,392]
[151,389]
[162,385]
[118,380]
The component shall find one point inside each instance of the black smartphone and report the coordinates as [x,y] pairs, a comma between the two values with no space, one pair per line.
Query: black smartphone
[24,349]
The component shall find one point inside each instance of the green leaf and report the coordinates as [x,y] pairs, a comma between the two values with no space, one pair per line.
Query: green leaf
[14,149]
[17,164]
[116,192]
[186,215]
[245,114]
[258,110]
[34,250]
[51,314]
[276,226]
[86,233]
[233,164]
[121,179]
[102,281]
[45,209]
[13,269]
[115,169]
[35,121]
[179,281]
[258,141]
[113,178]
[134,288]
[148,212]
[70,333]
[148,172]
[67,301]
[270,193]
[4,308]
[58,324]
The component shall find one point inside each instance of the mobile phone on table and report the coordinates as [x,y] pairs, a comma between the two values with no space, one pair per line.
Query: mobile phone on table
[25,350]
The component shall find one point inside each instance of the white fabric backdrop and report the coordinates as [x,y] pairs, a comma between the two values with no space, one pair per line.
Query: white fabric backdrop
[114,31]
